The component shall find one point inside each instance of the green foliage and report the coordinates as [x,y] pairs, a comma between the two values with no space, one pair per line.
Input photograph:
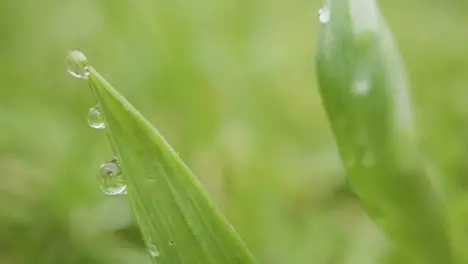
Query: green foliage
[232,86]
[365,93]
[178,221]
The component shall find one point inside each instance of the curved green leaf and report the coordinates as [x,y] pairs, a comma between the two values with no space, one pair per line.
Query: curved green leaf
[365,94]
[177,219]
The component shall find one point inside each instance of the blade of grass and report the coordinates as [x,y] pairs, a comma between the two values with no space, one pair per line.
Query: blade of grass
[363,89]
[177,219]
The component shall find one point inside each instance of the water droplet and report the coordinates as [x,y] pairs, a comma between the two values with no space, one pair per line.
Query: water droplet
[171,243]
[153,250]
[96,118]
[361,87]
[111,179]
[77,64]
[324,14]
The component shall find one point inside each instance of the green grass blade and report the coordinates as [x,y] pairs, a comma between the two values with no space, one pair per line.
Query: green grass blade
[363,89]
[172,208]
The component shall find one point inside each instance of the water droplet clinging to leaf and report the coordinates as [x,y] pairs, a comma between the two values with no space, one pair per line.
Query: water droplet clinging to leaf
[153,250]
[96,118]
[324,14]
[361,87]
[77,64]
[111,179]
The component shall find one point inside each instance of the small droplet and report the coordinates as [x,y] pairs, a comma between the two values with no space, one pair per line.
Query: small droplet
[361,87]
[96,118]
[171,243]
[324,14]
[153,250]
[111,179]
[77,64]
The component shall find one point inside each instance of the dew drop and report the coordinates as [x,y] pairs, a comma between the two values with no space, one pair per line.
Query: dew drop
[77,64]
[96,118]
[171,243]
[324,14]
[153,250]
[361,87]
[111,179]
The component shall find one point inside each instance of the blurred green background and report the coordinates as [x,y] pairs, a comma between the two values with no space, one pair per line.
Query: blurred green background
[231,85]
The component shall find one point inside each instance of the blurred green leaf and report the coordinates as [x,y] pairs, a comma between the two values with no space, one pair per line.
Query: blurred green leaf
[178,221]
[364,90]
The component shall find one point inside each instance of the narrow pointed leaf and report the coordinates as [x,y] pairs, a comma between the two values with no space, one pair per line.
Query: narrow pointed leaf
[365,94]
[177,219]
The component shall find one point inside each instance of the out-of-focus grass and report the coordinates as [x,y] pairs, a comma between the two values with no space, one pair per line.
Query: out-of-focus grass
[227,82]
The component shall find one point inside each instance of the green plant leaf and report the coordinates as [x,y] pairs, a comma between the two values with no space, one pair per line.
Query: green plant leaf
[365,94]
[178,221]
